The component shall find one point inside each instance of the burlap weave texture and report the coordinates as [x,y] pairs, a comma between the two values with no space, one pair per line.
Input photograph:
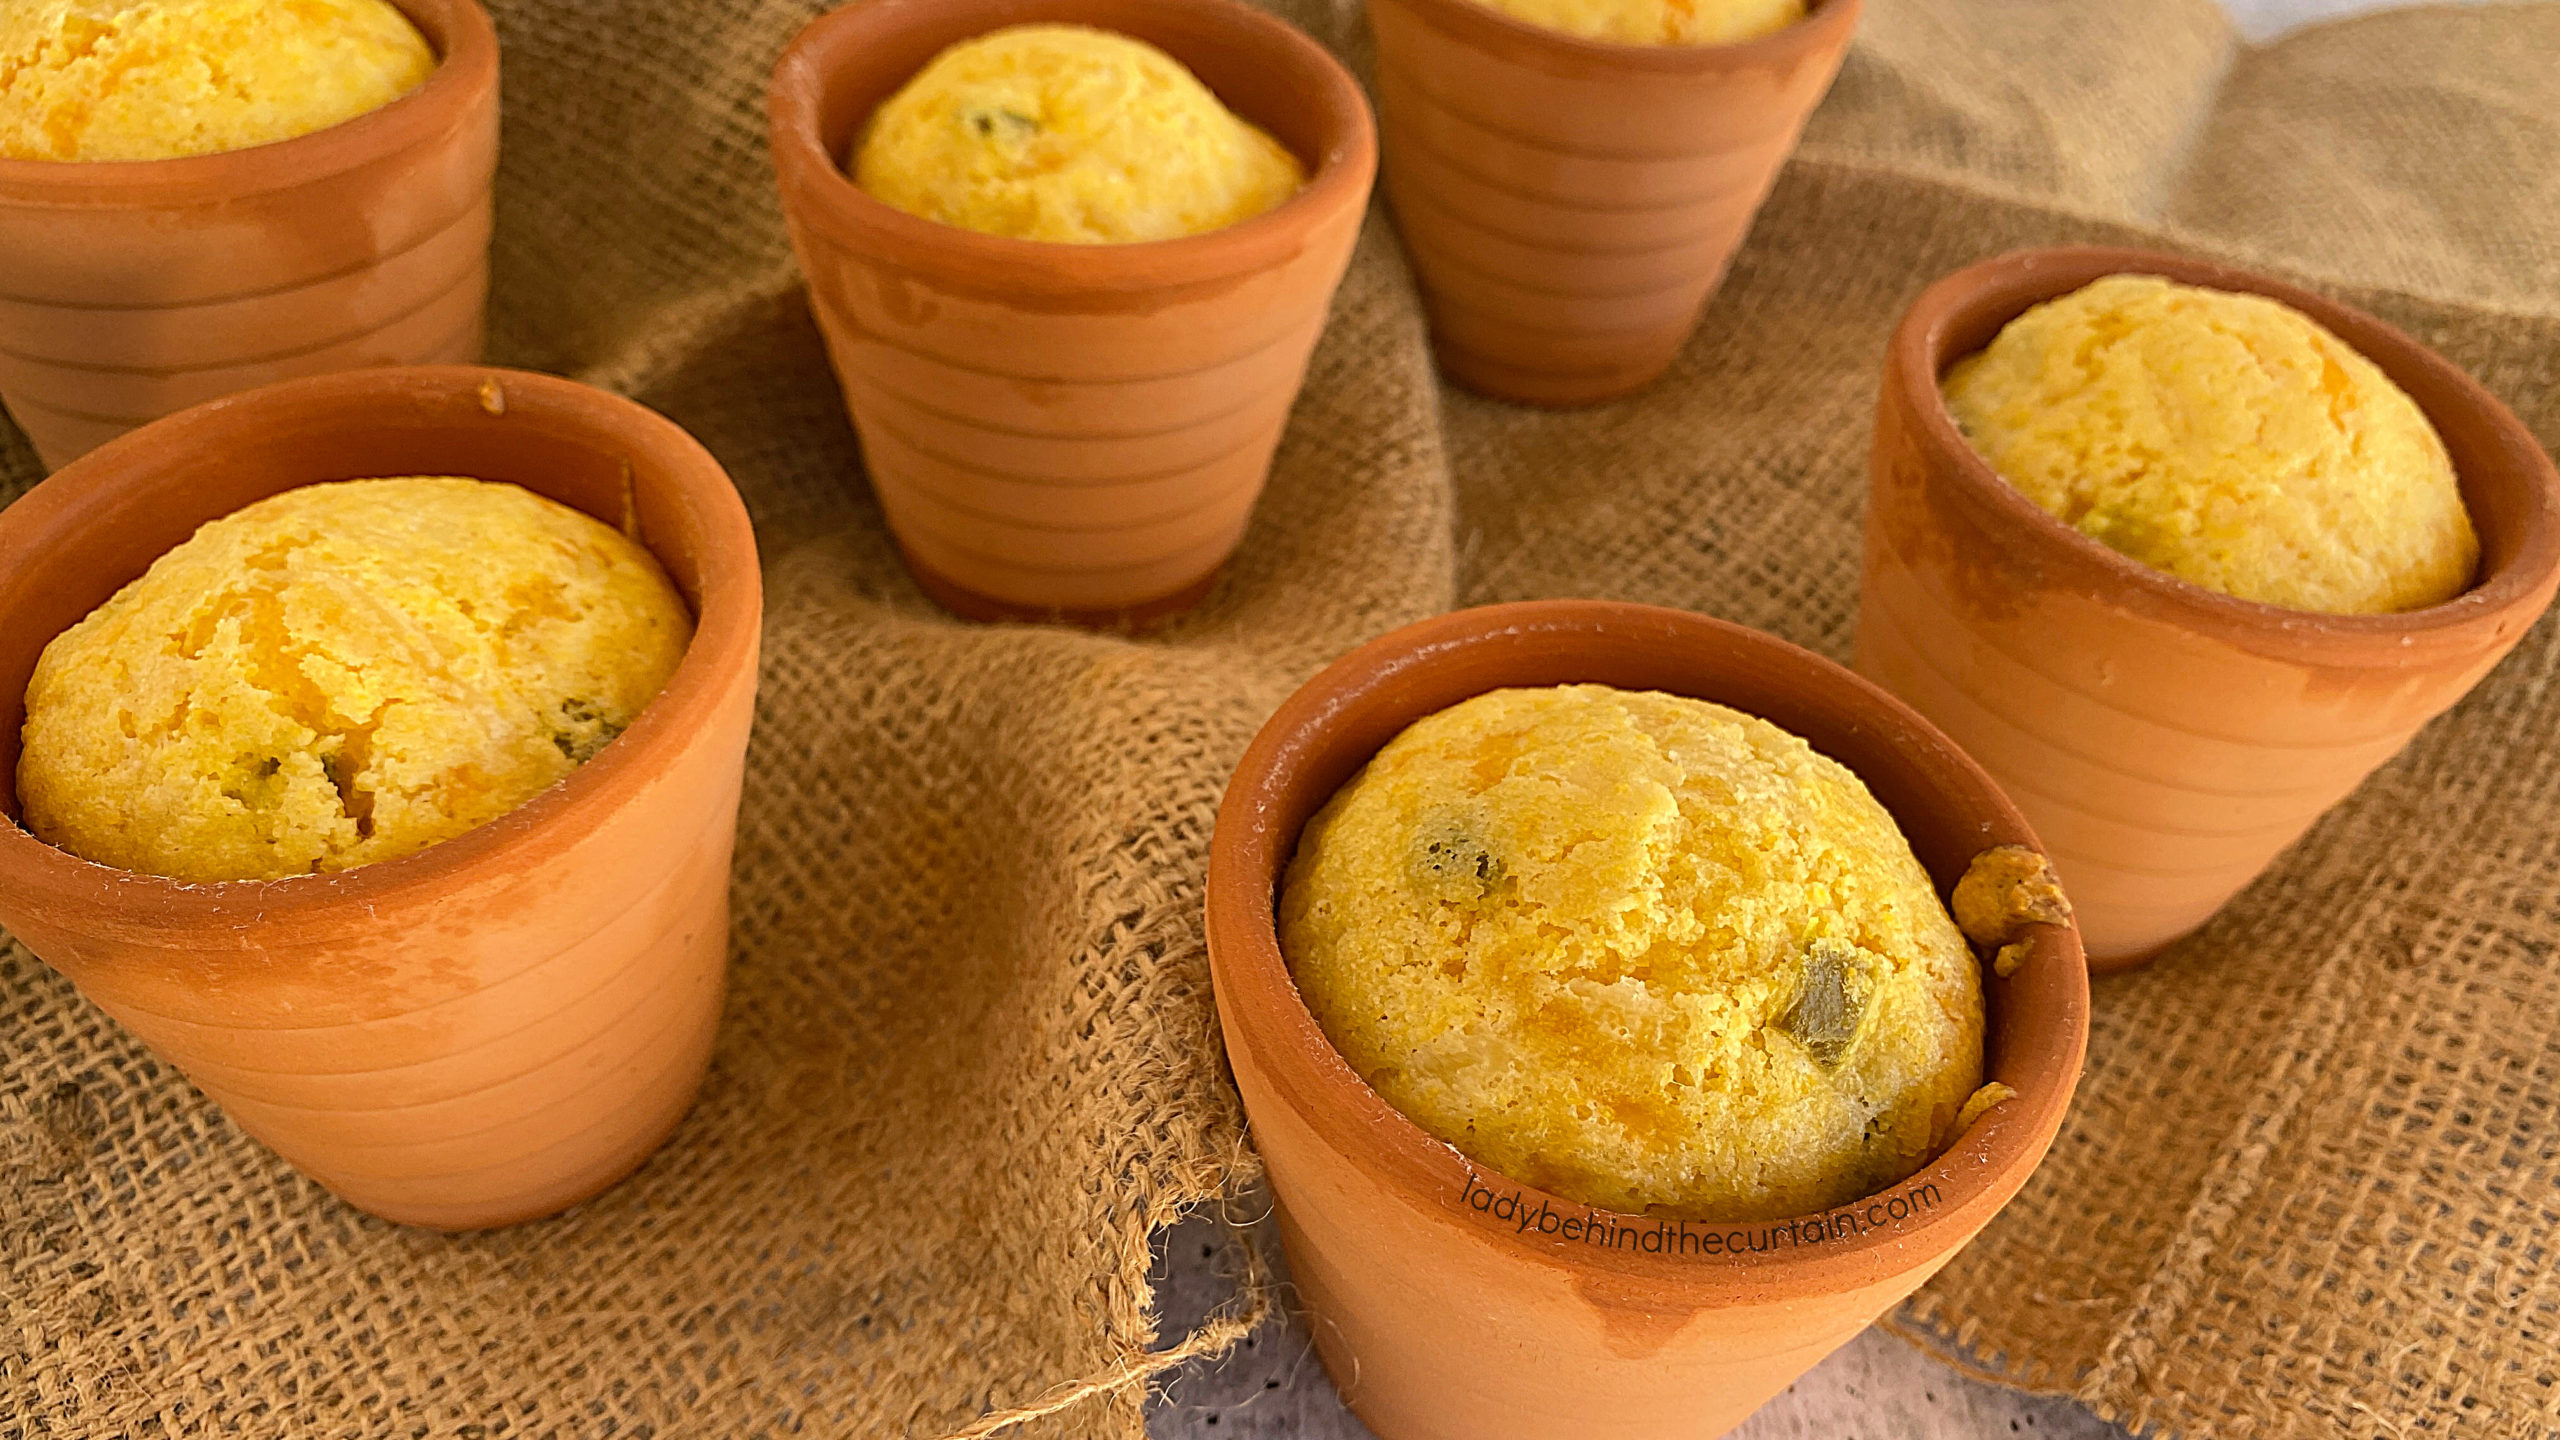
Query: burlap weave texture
[2312,1187]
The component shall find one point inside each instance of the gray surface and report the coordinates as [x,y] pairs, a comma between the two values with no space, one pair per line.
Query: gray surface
[2260,19]
[1876,1388]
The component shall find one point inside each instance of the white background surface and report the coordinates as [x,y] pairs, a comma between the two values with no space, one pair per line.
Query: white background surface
[1877,1388]
[2260,19]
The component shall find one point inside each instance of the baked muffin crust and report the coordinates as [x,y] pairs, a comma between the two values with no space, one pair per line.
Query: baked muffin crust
[1069,134]
[343,674]
[1659,22]
[1640,950]
[161,79]
[2226,439]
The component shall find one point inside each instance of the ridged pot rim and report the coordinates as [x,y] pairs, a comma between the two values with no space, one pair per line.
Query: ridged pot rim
[1958,314]
[1323,733]
[466,74]
[86,497]
[1825,28]
[818,186]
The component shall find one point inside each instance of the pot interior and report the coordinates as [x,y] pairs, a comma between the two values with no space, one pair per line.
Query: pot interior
[436,22]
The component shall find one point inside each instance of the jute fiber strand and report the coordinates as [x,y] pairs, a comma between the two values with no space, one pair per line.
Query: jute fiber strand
[2313,1184]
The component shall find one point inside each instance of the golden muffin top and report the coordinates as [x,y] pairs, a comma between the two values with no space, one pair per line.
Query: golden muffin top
[1642,951]
[159,79]
[2227,439]
[343,674]
[1064,133]
[1659,22]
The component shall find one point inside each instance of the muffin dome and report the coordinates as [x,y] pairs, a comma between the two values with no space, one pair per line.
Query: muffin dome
[1070,134]
[161,79]
[1643,951]
[1659,22]
[2226,439]
[343,674]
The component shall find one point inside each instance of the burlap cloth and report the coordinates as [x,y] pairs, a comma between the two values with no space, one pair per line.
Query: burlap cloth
[2312,1186]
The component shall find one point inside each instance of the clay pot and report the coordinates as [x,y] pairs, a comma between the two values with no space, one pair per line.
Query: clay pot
[1570,204]
[1450,1303]
[131,289]
[2166,740]
[495,1027]
[1068,431]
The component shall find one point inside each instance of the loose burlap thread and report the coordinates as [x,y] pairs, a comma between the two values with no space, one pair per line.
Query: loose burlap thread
[2312,1185]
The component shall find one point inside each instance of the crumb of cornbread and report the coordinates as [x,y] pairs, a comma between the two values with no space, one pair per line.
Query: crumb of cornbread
[343,674]
[2003,891]
[1643,951]
[2227,439]
[159,79]
[1659,22]
[1063,133]
[1980,1105]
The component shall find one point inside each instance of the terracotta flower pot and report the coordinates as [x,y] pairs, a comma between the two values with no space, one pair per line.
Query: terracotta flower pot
[1070,431]
[495,1027]
[1570,204]
[2166,740]
[131,289]
[1450,1303]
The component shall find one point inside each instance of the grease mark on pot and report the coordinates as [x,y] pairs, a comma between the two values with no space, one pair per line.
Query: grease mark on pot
[1630,1328]
[904,302]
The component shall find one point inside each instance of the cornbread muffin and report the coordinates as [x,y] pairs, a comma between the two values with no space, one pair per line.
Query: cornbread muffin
[1642,951]
[158,79]
[2226,439]
[1063,133]
[1659,22]
[342,674]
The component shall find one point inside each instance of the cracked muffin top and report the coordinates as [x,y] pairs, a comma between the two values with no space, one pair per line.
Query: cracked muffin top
[1069,134]
[343,674]
[2227,439]
[1639,950]
[161,79]
[1659,22]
